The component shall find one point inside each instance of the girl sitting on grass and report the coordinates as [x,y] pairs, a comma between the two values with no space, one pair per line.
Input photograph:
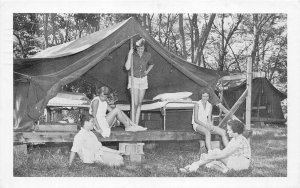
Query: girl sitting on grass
[236,155]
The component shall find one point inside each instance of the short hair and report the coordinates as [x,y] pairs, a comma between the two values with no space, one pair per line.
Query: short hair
[236,126]
[141,42]
[202,91]
[102,90]
[85,117]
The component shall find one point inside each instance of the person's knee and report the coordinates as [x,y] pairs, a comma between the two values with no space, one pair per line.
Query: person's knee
[116,110]
[207,133]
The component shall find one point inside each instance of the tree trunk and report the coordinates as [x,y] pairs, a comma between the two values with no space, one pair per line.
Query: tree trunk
[21,45]
[167,31]
[255,35]
[52,17]
[159,28]
[144,21]
[203,39]
[149,23]
[181,31]
[67,31]
[192,39]
[46,29]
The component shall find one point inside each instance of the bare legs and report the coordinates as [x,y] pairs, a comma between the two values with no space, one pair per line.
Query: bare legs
[138,99]
[207,133]
[120,115]
[213,164]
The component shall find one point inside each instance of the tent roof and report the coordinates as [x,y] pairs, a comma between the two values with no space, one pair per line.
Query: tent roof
[100,58]
[237,84]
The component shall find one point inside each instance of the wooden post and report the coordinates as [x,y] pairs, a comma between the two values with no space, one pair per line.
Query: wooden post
[221,98]
[248,98]
[132,93]
[234,108]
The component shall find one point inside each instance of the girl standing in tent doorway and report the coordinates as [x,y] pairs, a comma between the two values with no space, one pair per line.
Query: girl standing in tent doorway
[141,68]
[202,122]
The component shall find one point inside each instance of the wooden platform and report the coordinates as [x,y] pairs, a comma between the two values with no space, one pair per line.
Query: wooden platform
[116,136]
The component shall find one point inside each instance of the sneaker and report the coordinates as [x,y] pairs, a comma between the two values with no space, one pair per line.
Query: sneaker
[140,128]
[131,129]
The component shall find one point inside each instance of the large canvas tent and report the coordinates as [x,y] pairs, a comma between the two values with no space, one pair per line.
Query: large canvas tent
[265,99]
[100,58]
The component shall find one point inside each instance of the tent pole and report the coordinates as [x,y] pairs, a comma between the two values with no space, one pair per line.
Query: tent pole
[248,99]
[221,98]
[131,77]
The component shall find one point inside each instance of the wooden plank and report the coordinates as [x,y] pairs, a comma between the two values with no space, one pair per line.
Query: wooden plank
[116,136]
[56,127]
[234,108]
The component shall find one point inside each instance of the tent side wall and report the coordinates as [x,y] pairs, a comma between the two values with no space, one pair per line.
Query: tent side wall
[269,103]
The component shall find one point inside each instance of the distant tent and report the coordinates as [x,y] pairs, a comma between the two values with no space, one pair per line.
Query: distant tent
[100,58]
[266,99]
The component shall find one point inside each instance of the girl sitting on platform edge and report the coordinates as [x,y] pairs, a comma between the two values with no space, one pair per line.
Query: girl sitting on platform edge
[103,121]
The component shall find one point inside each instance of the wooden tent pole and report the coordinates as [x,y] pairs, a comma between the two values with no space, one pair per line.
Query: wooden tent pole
[248,98]
[221,98]
[132,84]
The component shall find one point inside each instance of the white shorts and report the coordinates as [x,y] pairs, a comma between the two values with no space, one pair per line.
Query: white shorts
[139,83]
[104,126]
[112,159]
[238,163]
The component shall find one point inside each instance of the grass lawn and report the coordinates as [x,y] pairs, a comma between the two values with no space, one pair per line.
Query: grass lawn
[269,158]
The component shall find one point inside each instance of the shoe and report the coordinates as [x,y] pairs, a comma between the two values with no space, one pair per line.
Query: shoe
[140,128]
[131,129]
[184,170]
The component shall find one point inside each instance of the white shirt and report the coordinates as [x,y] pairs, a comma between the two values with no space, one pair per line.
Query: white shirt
[87,146]
[203,113]
[243,146]
[100,116]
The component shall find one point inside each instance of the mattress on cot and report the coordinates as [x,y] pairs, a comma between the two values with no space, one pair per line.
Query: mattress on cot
[158,104]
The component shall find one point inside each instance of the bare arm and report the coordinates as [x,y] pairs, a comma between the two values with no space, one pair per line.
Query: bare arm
[72,156]
[109,108]
[209,116]
[95,105]
[149,69]
[128,62]
[223,154]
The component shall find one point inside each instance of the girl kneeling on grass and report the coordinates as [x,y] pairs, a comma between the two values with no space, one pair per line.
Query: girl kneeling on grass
[236,155]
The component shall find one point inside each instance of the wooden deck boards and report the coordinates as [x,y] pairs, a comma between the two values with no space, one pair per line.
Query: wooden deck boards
[116,136]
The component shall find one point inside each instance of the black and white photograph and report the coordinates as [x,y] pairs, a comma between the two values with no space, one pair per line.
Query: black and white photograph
[158,96]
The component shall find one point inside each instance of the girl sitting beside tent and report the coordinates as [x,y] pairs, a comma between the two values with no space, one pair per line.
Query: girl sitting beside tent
[236,155]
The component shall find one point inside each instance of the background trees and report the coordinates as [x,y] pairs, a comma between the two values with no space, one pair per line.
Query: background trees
[218,41]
